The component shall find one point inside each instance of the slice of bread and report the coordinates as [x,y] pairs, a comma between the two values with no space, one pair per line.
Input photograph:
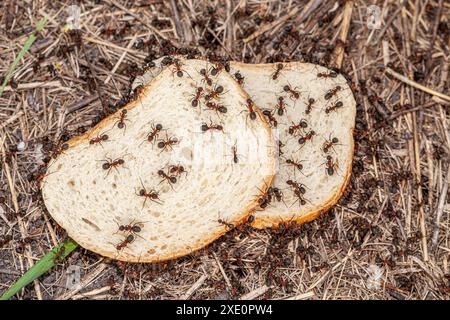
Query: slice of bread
[119,190]
[300,195]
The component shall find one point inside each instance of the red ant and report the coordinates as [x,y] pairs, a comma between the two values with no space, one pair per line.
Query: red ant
[153,195]
[309,135]
[177,69]
[299,187]
[295,164]
[333,107]
[266,198]
[298,190]
[134,228]
[216,107]
[250,106]
[273,122]
[277,71]
[328,144]
[205,127]
[219,66]
[214,93]
[331,74]
[196,97]
[109,164]
[302,124]
[332,92]
[168,143]
[154,133]
[309,105]
[227,224]
[293,94]
[121,122]
[331,165]
[239,78]
[56,151]
[235,155]
[206,78]
[121,245]
[99,139]
[281,106]
[177,170]
[170,179]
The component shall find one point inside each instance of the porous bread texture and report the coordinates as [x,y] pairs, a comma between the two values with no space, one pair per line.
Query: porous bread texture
[322,190]
[90,202]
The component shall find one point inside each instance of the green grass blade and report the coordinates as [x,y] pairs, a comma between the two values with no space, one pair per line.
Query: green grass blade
[22,53]
[46,263]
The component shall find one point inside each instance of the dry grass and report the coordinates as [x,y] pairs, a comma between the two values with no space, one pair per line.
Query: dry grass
[395,214]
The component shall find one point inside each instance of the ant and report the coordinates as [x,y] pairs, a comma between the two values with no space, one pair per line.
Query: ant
[333,107]
[281,106]
[250,106]
[296,164]
[109,164]
[196,96]
[154,133]
[278,68]
[298,187]
[273,122]
[235,155]
[311,101]
[331,165]
[278,194]
[177,69]
[99,139]
[205,127]
[239,78]
[206,78]
[331,74]
[168,143]
[328,144]
[280,146]
[216,107]
[134,228]
[214,93]
[309,135]
[121,122]
[56,151]
[153,195]
[121,245]
[177,170]
[302,124]
[170,179]
[266,198]
[227,224]
[219,66]
[293,94]
[332,92]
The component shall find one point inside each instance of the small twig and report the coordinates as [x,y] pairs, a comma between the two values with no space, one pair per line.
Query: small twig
[416,85]
[178,28]
[81,104]
[339,49]
[227,280]
[255,293]
[92,293]
[303,296]
[194,287]
[34,85]
[440,210]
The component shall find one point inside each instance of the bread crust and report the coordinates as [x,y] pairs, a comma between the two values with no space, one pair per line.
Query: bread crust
[274,221]
[127,256]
